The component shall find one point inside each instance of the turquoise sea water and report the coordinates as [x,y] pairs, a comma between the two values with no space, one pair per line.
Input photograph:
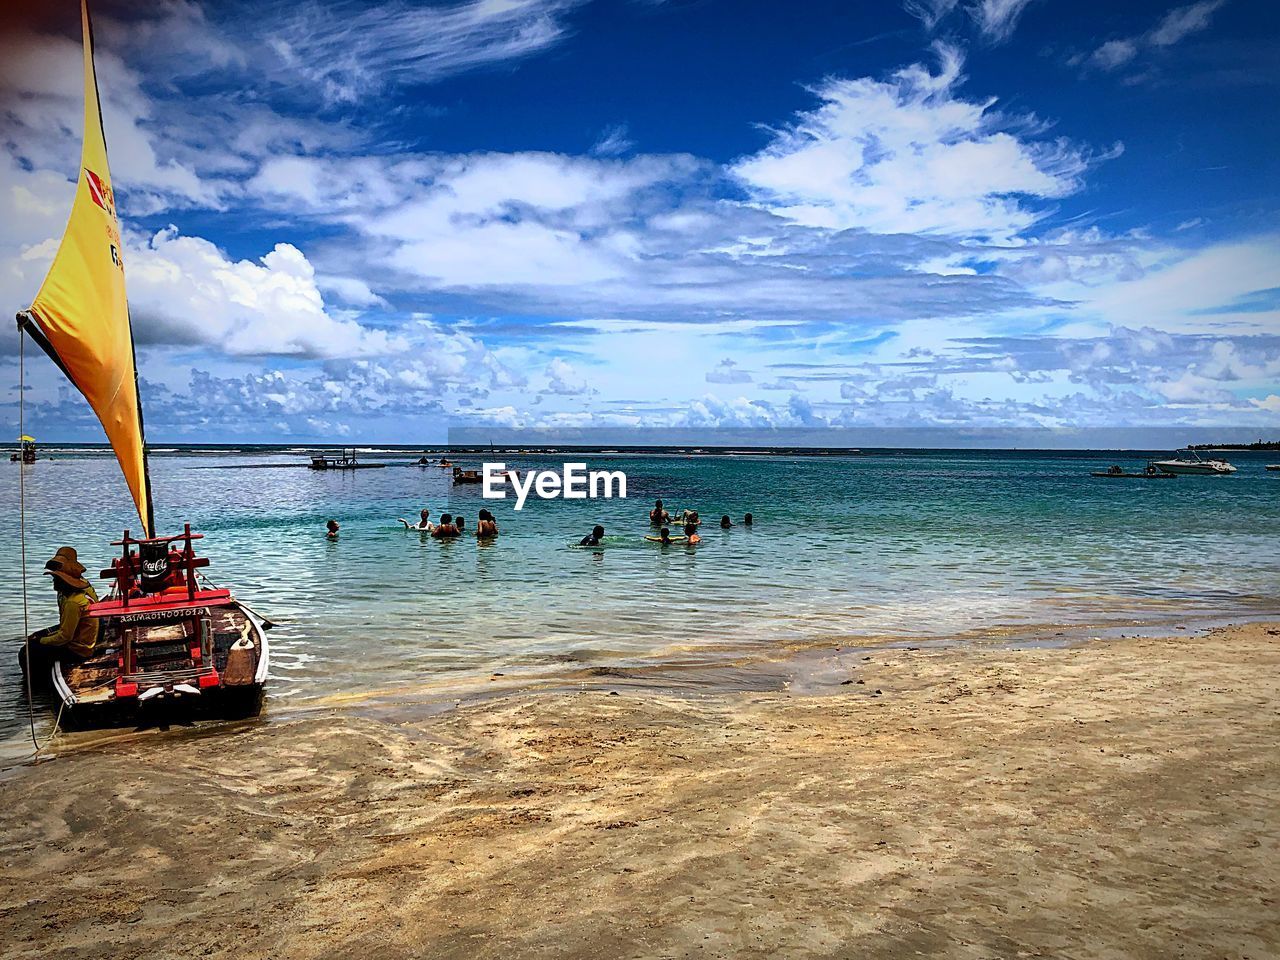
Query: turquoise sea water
[911,544]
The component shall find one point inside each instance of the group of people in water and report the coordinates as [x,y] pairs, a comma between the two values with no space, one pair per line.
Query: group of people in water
[448,529]
[451,527]
[660,517]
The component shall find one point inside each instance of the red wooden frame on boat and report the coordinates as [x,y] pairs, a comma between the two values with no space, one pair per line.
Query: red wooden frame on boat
[126,571]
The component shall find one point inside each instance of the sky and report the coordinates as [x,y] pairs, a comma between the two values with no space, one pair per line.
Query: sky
[821,222]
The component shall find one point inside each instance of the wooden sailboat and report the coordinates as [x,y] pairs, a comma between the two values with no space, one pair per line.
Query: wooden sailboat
[26,450]
[167,634]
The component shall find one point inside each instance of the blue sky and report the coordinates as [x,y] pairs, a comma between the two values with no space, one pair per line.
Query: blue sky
[403,221]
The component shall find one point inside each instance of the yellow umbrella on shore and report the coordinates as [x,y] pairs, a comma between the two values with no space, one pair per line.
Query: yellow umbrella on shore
[26,439]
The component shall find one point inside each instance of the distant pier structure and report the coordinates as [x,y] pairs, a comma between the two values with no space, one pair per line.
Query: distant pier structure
[345,460]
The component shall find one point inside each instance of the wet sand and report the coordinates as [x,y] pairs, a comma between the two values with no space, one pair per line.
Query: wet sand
[1116,799]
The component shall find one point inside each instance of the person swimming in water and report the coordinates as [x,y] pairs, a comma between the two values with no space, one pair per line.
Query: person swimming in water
[593,539]
[332,528]
[487,526]
[691,534]
[746,521]
[459,522]
[424,522]
[725,522]
[658,515]
[445,530]
[664,537]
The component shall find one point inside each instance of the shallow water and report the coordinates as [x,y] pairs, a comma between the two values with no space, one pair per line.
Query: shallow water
[918,544]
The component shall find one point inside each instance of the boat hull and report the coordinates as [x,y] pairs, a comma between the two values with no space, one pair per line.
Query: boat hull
[1194,469]
[97,692]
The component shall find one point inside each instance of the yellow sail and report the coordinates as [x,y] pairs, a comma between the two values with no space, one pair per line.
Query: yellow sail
[81,314]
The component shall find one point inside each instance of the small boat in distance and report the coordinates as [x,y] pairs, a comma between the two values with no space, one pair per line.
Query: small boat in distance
[26,453]
[165,632]
[1273,466]
[1150,472]
[346,460]
[1190,462]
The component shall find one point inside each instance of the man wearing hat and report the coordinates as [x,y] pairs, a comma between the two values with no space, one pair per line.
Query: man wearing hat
[76,635]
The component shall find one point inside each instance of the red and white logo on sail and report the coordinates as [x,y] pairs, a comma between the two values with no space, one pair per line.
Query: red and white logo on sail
[99,192]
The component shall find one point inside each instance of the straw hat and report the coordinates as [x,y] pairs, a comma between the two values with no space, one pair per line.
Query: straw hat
[67,568]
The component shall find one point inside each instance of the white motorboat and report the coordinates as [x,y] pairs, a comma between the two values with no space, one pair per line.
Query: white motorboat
[1188,461]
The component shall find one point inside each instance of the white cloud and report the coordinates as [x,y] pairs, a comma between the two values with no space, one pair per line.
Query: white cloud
[711,411]
[995,19]
[1058,263]
[998,18]
[563,379]
[1175,26]
[1114,54]
[350,290]
[1191,388]
[332,186]
[185,290]
[613,142]
[43,117]
[907,155]
[33,212]
[480,220]
[349,50]
[929,12]
[1181,22]
[726,371]
[1190,292]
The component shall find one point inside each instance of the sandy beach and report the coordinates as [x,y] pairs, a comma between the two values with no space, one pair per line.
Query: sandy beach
[1118,798]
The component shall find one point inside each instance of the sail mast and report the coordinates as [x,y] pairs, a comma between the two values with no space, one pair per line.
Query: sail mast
[149,521]
[80,316]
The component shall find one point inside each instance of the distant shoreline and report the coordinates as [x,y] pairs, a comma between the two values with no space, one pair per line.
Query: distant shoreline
[1259,445]
[534,449]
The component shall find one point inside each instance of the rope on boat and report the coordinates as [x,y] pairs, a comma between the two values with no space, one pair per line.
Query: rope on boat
[22,532]
[22,550]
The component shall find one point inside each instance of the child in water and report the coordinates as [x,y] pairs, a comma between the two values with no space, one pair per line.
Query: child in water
[594,538]
[446,530]
[487,527]
[332,527]
[691,534]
